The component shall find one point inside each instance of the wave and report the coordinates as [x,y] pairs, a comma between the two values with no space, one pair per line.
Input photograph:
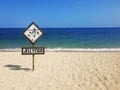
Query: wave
[65,49]
[82,49]
[10,50]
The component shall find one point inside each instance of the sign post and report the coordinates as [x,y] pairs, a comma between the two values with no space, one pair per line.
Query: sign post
[33,60]
[33,33]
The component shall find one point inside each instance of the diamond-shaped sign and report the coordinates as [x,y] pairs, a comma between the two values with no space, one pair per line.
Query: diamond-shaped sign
[33,33]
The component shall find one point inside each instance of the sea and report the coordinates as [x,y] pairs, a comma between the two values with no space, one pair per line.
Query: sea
[12,39]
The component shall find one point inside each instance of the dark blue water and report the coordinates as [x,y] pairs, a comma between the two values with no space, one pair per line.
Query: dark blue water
[63,38]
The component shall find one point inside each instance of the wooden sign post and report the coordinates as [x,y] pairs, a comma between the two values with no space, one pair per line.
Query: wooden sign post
[33,33]
[33,60]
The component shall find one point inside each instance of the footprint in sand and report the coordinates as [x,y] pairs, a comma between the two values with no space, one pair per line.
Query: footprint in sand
[105,78]
[36,88]
[96,85]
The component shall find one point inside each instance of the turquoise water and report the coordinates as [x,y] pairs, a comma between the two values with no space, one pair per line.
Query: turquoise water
[63,38]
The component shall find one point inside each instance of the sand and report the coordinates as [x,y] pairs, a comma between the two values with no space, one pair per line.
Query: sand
[60,71]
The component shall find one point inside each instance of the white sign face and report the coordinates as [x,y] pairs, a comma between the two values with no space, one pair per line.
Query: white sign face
[33,33]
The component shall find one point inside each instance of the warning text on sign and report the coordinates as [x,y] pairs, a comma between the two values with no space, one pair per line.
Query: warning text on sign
[32,50]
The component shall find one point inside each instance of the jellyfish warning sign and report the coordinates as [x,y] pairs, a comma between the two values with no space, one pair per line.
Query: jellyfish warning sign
[33,33]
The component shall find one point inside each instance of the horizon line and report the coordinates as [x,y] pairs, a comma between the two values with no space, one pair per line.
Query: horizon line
[63,27]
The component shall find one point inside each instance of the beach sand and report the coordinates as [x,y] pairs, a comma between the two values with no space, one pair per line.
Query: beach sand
[60,71]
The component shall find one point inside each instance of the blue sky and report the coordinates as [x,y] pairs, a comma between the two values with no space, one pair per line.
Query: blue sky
[60,13]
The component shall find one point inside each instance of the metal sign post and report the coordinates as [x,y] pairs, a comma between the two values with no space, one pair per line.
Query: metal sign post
[33,33]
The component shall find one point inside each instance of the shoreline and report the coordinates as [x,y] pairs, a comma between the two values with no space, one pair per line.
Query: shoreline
[67,50]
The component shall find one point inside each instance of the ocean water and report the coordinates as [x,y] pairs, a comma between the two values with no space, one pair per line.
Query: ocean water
[81,38]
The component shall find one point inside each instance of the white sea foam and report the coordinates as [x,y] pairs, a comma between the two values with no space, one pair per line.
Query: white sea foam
[82,49]
[65,49]
[10,50]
